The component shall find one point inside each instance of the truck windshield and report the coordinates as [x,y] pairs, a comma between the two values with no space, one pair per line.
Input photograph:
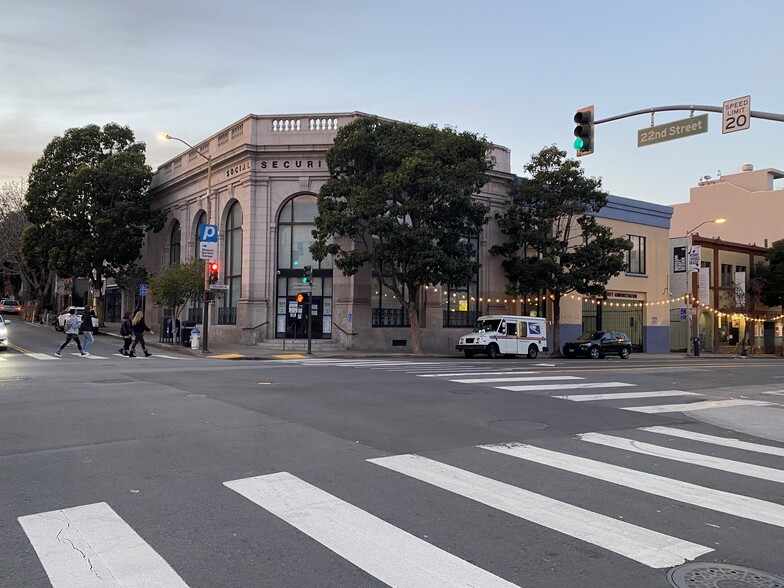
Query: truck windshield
[490,325]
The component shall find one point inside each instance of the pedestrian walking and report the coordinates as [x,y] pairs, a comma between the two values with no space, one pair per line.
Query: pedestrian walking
[86,328]
[71,333]
[139,326]
[126,332]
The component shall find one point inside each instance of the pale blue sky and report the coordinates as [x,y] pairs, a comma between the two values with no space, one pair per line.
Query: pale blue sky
[514,71]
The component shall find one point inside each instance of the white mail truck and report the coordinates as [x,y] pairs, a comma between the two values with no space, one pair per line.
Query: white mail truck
[500,334]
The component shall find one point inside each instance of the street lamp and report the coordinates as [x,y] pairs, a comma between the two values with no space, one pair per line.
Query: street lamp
[206,319]
[688,296]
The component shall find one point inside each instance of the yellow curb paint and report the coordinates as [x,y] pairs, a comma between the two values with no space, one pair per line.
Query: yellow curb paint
[226,356]
[290,356]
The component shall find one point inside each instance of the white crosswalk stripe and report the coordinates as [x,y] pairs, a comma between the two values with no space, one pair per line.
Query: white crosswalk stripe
[648,547]
[623,395]
[92,547]
[726,502]
[735,443]
[578,386]
[695,406]
[515,379]
[708,461]
[392,555]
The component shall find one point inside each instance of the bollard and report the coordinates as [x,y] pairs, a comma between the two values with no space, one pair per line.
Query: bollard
[195,339]
[696,347]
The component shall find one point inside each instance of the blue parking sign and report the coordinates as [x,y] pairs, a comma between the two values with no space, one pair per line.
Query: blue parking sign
[208,233]
[142,289]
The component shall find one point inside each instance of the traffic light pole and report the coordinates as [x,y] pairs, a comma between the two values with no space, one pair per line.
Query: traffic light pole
[206,326]
[310,315]
[689,107]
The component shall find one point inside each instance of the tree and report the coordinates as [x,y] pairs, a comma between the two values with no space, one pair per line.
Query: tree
[399,197]
[554,242]
[177,285]
[88,204]
[32,269]
[769,276]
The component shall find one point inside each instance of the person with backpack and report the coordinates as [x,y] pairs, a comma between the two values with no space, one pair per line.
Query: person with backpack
[71,333]
[126,332]
[138,326]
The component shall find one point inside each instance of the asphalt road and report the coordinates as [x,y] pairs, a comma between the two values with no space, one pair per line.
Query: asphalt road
[175,471]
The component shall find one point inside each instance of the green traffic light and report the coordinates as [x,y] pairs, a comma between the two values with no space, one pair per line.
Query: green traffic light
[296,263]
[579,143]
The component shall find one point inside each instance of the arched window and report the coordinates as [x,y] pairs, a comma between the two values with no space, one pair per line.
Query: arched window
[174,243]
[232,266]
[295,236]
[196,312]
[201,220]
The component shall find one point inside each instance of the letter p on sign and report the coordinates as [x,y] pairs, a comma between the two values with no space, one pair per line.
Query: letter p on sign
[208,233]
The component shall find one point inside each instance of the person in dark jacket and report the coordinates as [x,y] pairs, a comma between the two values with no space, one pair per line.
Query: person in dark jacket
[86,328]
[126,332]
[139,326]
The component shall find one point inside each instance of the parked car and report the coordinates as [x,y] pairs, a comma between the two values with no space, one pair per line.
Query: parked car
[59,325]
[4,334]
[598,344]
[10,306]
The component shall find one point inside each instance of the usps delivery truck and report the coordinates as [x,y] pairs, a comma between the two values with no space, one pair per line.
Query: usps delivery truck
[496,335]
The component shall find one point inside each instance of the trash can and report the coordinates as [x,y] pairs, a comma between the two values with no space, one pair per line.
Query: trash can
[185,336]
[696,347]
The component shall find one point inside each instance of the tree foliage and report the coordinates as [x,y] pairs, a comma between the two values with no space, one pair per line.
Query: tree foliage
[399,198]
[88,204]
[770,275]
[178,284]
[554,243]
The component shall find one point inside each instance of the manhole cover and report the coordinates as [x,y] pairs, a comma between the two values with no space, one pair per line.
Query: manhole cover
[518,425]
[702,575]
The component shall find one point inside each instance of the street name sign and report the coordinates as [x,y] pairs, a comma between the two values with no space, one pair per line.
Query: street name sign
[219,286]
[736,115]
[678,129]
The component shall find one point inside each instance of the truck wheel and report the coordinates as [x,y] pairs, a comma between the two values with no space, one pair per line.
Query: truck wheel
[493,351]
[469,354]
[595,353]
[533,351]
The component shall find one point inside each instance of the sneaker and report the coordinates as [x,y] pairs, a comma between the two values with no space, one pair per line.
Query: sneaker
[121,351]
[131,354]
[84,353]
[147,353]
[58,354]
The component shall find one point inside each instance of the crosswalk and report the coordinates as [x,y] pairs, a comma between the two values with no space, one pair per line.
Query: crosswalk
[543,380]
[91,356]
[91,545]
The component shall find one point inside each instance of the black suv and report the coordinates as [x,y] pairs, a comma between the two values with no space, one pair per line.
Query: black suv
[598,344]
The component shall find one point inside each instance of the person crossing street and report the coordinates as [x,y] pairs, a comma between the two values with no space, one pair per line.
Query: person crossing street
[86,328]
[72,324]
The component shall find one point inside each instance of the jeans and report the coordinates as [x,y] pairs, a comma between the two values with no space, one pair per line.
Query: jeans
[88,340]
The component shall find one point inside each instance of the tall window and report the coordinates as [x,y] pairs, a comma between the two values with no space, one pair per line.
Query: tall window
[635,258]
[461,304]
[295,236]
[232,266]
[726,275]
[201,220]
[387,311]
[174,243]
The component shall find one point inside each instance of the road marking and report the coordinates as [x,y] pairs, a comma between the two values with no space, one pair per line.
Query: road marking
[707,461]
[91,546]
[227,356]
[726,502]
[724,441]
[648,547]
[516,379]
[42,356]
[392,555]
[695,406]
[457,374]
[579,386]
[622,395]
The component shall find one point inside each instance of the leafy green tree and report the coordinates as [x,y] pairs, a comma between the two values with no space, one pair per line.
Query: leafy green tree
[176,285]
[554,242]
[769,277]
[88,204]
[399,197]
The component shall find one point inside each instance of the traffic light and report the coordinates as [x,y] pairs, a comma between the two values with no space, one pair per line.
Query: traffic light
[308,276]
[583,132]
[303,298]
[214,267]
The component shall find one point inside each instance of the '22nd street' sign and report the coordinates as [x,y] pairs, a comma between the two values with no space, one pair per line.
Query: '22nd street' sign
[678,129]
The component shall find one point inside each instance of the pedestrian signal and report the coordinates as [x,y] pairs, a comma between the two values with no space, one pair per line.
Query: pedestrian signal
[303,298]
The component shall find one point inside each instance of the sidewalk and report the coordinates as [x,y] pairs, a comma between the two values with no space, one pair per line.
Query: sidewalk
[261,352]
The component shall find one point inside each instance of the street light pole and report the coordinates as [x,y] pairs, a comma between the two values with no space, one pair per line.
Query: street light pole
[689,295]
[206,316]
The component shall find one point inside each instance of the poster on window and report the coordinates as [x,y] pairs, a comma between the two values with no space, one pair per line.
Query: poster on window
[281,323]
[679,260]
[758,329]
[779,329]
[326,324]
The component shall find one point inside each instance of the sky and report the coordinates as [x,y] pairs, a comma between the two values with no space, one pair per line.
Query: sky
[514,71]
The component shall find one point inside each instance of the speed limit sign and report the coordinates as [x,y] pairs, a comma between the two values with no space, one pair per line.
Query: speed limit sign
[736,115]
